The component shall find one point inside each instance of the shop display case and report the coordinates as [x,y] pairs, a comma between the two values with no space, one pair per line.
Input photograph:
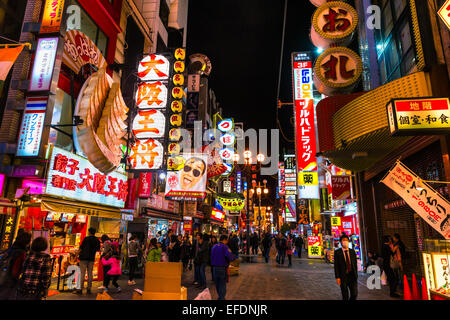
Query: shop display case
[436,262]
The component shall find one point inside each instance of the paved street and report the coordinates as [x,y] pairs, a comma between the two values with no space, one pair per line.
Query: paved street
[308,279]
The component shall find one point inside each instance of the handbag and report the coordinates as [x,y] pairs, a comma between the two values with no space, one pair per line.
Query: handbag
[384,279]
[394,264]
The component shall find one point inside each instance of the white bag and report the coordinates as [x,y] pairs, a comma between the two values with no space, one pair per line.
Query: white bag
[204,295]
[384,279]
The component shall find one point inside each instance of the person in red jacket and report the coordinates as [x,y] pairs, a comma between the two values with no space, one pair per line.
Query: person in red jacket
[113,273]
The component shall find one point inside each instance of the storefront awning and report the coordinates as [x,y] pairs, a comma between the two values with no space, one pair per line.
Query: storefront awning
[67,206]
[360,128]
[153,213]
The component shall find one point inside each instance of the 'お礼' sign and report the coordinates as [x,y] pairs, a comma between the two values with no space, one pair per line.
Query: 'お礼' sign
[424,200]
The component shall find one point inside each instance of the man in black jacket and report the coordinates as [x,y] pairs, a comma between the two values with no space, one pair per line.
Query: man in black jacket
[202,260]
[88,249]
[345,269]
[267,244]
[299,245]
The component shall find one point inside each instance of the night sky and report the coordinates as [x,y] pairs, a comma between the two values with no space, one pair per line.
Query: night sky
[242,38]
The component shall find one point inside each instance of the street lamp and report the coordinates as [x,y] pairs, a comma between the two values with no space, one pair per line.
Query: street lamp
[258,191]
[260,157]
[248,157]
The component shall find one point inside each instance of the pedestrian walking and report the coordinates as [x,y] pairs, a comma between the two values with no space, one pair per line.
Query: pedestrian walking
[88,248]
[389,264]
[174,249]
[254,243]
[267,244]
[233,244]
[290,249]
[154,254]
[195,251]
[11,263]
[37,271]
[202,260]
[221,257]
[281,245]
[345,269]
[134,250]
[298,246]
[113,273]
[185,253]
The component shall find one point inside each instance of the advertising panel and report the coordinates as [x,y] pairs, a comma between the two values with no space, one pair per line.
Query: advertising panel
[341,187]
[314,247]
[74,177]
[424,200]
[145,184]
[44,61]
[189,183]
[291,209]
[281,182]
[308,185]
[51,18]
[30,133]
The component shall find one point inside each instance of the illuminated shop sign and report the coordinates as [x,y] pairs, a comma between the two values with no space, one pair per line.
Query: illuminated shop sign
[153,67]
[146,154]
[51,18]
[151,95]
[341,187]
[217,215]
[281,182]
[308,185]
[291,209]
[444,13]
[30,133]
[74,177]
[419,116]
[44,61]
[149,124]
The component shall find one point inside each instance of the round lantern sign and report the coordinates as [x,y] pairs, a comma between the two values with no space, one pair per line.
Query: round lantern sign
[225,125]
[149,124]
[177,92]
[175,120]
[151,95]
[226,154]
[337,71]
[146,154]
[178,79]
[333,23]
[180,54]
[175,134]
[153,67]
[227,139]
[176,106]
[178,66]
[174,148]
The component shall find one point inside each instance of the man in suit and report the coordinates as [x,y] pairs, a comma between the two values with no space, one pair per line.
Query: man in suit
[345,269]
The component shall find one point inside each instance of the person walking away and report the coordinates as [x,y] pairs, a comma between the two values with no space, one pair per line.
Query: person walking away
[290,249]
[202,260]
[88,248]
[37,272]
[399,249]
[221,257]
[133,252]
[174,249]
[345,269]
[154,254]
[281,245]
[267,244]
[388,263]
[113,273]
[298,246]
[254,243]
[212,243]
[195,250]
[11,262]
[185,252]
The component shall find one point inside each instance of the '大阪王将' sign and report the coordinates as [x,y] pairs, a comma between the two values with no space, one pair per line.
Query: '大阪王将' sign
[418,116]
[423,199]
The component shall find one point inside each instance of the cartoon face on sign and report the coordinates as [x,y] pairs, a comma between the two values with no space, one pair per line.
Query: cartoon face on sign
[153,67]
[192,173]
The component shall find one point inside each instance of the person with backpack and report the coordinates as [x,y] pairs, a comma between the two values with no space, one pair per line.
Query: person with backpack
[290,249]
[11,262]
[281,245]
[134,250]
[113,273]
[37,272]
[86,253]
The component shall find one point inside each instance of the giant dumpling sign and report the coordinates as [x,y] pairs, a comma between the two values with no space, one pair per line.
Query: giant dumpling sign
[232,201]
[101,107]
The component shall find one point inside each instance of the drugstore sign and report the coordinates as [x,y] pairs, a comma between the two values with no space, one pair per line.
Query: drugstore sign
[74,177]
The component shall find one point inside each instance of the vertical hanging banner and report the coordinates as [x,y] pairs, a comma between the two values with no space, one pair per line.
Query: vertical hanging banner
[44,60]
[304,111]
[423,199]
[281,182]
[341,187]
[30,133]
[290,175]
[145,184]
[51,18]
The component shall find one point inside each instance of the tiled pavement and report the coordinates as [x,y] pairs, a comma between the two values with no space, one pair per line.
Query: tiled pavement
[307,279]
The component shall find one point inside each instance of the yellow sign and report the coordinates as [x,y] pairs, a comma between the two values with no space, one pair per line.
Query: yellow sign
[308,178]
[315,251]
[335,221]
[180,54]
[8,233]
[51,19]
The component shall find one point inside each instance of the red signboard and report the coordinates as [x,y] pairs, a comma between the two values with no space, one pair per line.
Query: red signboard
[60,250]
[132,191]
[145,184]
[217,215]
[422,104]
[340,186]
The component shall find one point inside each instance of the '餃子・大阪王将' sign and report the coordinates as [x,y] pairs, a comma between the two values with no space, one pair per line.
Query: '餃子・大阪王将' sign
[423,199]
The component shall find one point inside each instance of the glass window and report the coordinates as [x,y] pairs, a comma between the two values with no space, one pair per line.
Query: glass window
[62,114]
[388,22]
[399,5]
[408,62]
[405,38]
[391,54]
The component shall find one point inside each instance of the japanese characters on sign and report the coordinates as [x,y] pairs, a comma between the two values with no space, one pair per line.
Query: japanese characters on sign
[8,232]
[341,187]
[304,112]
[337,71]
[441,262]
[51,18]
[189,183]
[30,134]
[146,154]
[231,203]
[333,23]
[154,67]
[149,124]
[227,186]
[44,60]
[418,116]
[425,201]
[291,208]
[145,184]
[74,177]
[238,182]
[444,13]
[281,182]
[226,142]
[308,185]
[290,175]
[151,95]
[218,215]
[314,247]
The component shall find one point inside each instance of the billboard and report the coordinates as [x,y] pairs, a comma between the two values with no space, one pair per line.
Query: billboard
[290,175]
[308,185]
[341,187]
[44,60]
[189,183]
[30,133]
[305,131]
[291,208]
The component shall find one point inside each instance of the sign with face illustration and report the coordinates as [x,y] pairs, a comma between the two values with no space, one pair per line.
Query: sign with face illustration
[188,183]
